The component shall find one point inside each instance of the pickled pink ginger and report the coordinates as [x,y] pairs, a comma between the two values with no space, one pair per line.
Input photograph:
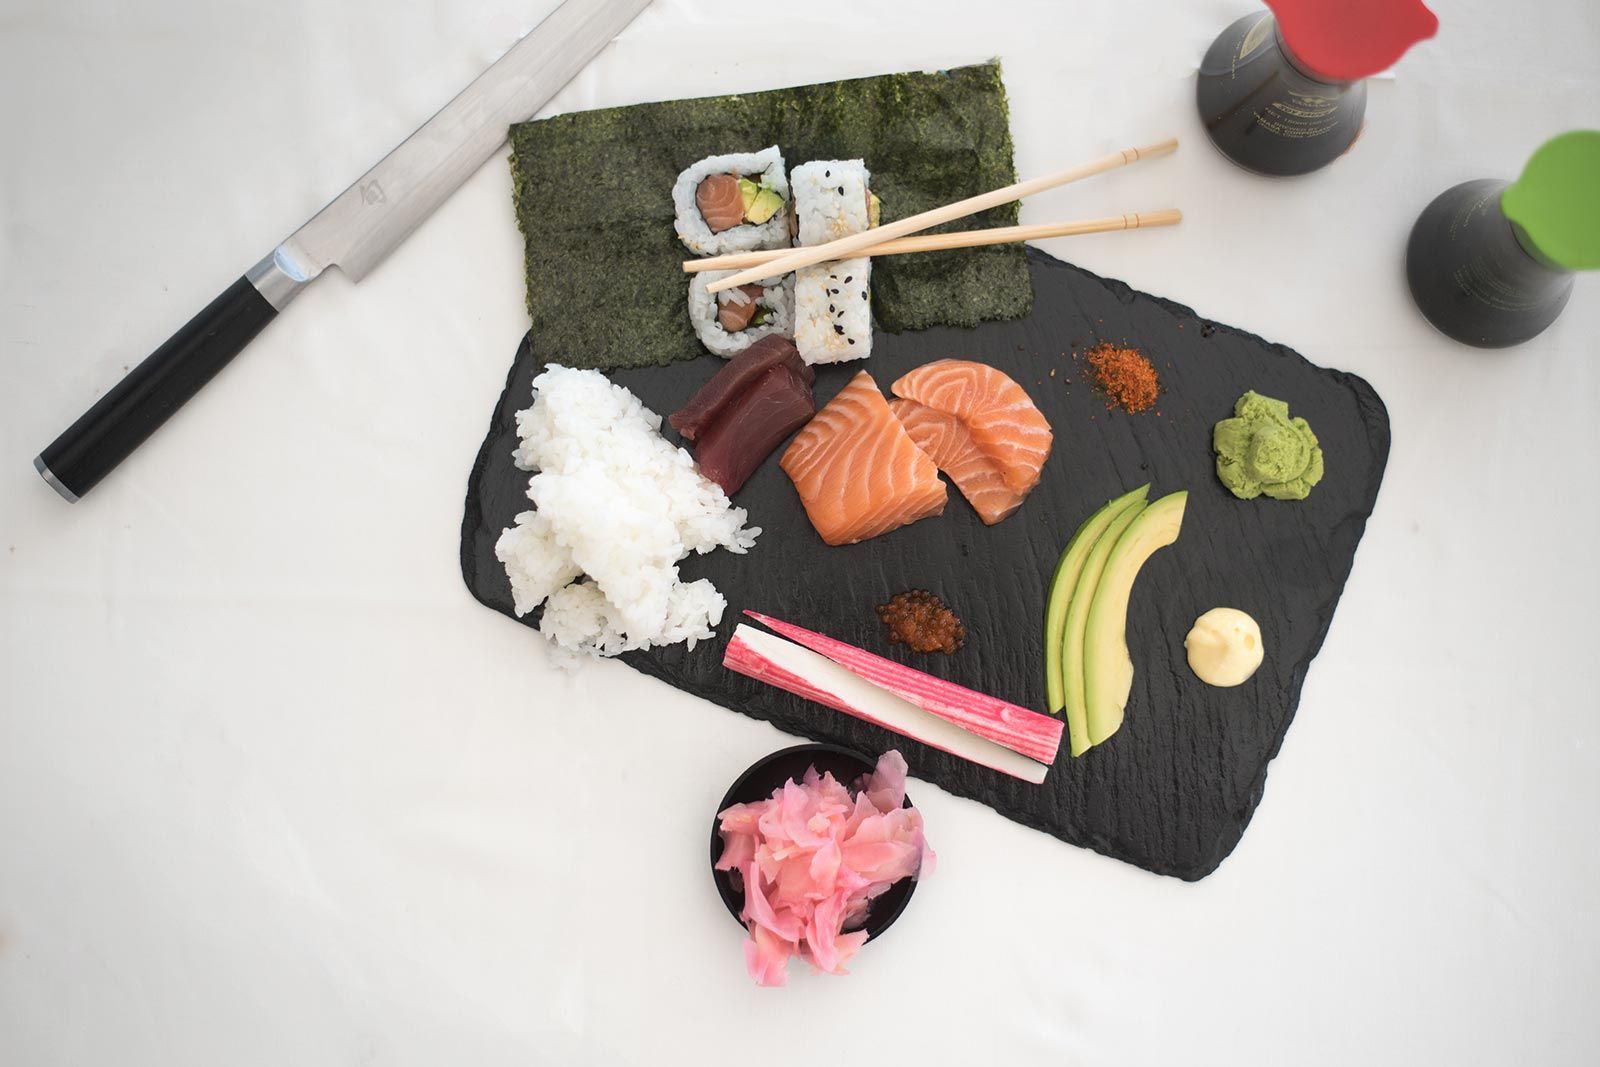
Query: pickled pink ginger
[813,857]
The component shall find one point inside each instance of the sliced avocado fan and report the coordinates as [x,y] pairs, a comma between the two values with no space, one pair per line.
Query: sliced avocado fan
[1077,624]
[1065,581]
[1107,666]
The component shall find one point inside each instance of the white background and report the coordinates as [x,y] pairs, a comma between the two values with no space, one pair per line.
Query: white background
[275,790]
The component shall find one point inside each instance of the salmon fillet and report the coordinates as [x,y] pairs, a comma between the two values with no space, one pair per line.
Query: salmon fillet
[720,202]
[857,471]
[733,316]
[1002,419]
[948,442]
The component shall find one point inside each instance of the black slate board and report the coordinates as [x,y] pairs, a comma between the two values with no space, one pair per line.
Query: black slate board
[1174,789]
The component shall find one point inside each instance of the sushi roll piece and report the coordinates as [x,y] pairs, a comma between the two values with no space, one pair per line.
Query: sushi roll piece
[831,200]
[731,321]
[833,311]
[733,203]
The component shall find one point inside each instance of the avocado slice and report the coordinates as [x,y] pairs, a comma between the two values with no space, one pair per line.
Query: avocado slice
[1077,623]
[766,204]
[874,209]
[748,190]
[1107,667]
[1065,580]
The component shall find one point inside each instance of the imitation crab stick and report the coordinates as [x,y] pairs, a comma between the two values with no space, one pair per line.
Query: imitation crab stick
[798,670]
[1017,728]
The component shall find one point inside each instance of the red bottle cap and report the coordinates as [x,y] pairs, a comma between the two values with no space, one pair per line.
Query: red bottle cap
[1347,40]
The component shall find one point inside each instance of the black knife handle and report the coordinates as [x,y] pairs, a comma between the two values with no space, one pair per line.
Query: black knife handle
[148,396]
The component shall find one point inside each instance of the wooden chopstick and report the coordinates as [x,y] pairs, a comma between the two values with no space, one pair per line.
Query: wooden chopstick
[856,244]
[938,242]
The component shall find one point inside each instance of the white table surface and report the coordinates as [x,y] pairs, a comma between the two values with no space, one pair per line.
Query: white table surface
[275,790]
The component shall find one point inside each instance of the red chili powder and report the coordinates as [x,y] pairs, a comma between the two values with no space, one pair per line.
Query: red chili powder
[1127,378]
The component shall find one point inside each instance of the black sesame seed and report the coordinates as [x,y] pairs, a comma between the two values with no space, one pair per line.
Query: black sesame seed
[852,340]
[841,190]
[838,329]
[827,174]
[847,279]
[830,307]
[863,294]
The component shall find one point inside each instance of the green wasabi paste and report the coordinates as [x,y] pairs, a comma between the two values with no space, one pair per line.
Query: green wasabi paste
[1262,451]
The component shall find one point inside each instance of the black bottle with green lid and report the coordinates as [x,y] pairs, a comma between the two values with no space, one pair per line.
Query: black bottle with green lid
[1284,92]
[1492,263]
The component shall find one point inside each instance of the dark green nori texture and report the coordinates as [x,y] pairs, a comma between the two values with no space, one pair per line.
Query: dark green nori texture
[594,200]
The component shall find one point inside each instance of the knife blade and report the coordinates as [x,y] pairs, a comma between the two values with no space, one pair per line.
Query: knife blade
[360,227]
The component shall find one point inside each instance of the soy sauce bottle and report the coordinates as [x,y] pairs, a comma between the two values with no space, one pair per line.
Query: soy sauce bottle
[1492,263]
[1284,92]
[1269,113]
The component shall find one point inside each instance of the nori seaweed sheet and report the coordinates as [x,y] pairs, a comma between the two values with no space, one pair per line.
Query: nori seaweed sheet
[593,197]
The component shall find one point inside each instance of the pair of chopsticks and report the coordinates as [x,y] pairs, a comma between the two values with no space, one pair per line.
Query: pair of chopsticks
[895,238]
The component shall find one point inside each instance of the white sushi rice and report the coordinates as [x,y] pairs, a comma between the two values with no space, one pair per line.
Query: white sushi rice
[580,619]
[830,199]
[619,504]
[777,294]
[833,311]
[535,563]
[765,167]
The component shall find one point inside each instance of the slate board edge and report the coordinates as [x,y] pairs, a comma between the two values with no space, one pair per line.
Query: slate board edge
[1373,413]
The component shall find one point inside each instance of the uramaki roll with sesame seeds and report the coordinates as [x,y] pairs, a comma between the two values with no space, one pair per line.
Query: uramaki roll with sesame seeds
[833,311]
[831,199]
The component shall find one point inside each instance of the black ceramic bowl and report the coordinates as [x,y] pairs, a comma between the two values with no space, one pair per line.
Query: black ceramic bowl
[768,774]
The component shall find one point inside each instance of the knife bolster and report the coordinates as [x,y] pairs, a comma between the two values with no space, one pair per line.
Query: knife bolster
[276,284]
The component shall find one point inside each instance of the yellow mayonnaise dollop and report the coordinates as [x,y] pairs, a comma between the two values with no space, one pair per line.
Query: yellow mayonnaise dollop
[1224,647]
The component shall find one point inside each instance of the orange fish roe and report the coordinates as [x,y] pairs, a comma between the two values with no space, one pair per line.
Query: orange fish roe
[1127,378]
[919,619]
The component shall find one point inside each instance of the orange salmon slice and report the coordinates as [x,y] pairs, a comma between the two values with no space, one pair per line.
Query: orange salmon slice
[1002,419]
[858,473]
[949,443]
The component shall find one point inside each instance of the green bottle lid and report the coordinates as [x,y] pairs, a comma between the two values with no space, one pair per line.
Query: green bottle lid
[1557,200]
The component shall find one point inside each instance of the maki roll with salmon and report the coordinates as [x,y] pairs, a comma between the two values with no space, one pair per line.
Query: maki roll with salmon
[731,321]
[733,203]
[832,199]
[833,311]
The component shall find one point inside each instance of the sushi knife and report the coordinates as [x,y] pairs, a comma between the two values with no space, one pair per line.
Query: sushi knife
[354,233]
